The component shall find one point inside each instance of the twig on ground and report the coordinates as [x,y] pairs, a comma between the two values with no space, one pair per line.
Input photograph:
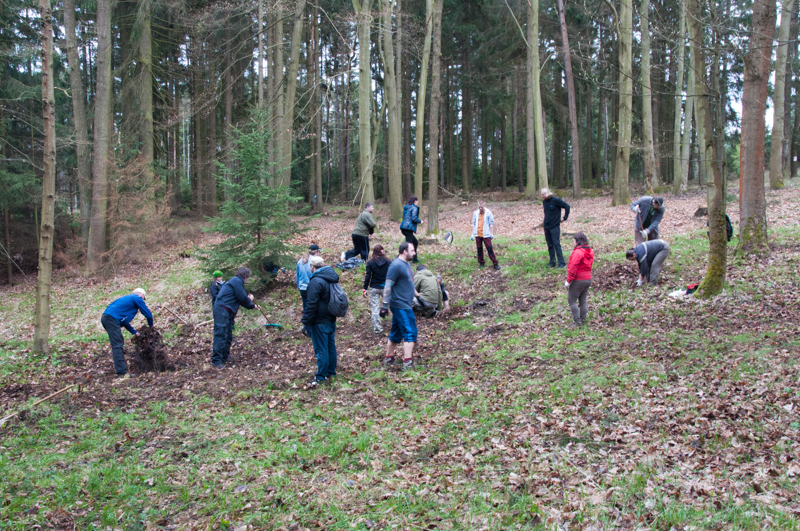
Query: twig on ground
[57,393]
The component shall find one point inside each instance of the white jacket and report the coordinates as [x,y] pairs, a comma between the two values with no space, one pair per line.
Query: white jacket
[488,221]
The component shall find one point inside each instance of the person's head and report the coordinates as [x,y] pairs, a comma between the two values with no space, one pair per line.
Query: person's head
[482,206]
[581,239]
[316,262]
[243,273]
[378,252]
[407,251]
[140,292]
[216,274]
[421,267]
[546,193]
[369,207]
[314,250]
[412,200]
[658,202]
[630,254]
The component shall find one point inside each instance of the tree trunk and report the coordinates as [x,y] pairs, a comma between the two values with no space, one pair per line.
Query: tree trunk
[260,61]
[41,327]
[752,201]
[79,120]
[436,96]
[145,88]
[102,133]
[650,175]
[714,280]
[776,153]
[365,181]
[589,154]
[573,110]
[536,154]
[405,105]
[317,159]
[419,139]
[625,117]
[287,123]
[503,154]
[486,145]
[678,176]
[466,126]
[395,123]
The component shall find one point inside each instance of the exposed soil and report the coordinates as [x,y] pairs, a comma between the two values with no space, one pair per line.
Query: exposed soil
[150,354]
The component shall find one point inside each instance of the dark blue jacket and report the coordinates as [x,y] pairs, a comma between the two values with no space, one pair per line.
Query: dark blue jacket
[645,254]
[232,295]
[125,309]
[410,218]
[317,297]
[214,288]
[552,211]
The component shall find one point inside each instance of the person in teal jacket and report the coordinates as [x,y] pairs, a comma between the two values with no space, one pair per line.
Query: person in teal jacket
[410,221]
[118,314]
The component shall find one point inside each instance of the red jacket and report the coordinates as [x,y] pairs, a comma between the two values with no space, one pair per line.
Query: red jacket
[580,264]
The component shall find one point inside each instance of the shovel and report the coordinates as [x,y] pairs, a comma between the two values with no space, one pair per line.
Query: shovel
[269,325]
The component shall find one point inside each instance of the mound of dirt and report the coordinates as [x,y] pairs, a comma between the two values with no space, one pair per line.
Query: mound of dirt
[150,354]
[615,277]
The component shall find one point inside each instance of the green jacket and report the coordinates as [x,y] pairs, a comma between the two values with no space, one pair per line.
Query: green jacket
[364,222]
[428,287]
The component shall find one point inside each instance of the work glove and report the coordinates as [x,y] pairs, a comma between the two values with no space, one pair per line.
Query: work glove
[639,282]
[305,331]
[637,209]
[472,237]
[364,293]
[383,313]
[566,284]
[644,233]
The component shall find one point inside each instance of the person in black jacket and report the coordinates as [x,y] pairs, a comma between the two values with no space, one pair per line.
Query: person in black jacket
[215,286]
[374,282]
[552,226]
[319,322]
[230,297]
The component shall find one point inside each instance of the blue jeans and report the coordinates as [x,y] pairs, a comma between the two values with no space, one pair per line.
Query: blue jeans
[553,238]
[323,337]
[223,335]
[114,330]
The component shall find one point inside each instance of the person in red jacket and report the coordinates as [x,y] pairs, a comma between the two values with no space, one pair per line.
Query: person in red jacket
[579,278]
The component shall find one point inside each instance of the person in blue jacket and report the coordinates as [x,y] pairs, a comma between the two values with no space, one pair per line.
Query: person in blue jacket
[410,221]
[303,272]
[118,314]
[231,296]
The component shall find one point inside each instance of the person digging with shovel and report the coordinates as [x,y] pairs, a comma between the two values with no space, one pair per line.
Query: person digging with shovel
[118,314]
[231,296]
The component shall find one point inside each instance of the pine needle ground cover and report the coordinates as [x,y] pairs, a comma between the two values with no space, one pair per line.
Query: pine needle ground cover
[659,414]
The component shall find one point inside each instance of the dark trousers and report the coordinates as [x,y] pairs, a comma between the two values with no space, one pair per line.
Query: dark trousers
[323,337]
[223,335]
[411,238]
[360,247]
[481,242]
[114,330]
[553,238]
[304,296]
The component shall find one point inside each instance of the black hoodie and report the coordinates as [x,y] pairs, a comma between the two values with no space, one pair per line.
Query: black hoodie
[317,296]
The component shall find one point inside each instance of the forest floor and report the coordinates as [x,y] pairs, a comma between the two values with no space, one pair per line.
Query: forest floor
[660,413]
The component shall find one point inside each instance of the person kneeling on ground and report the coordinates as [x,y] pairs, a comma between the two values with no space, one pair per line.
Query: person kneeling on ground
[649,212]
[398,295]
[650,256]
[231,296]
[579,278]
[429,293]
[319,322]
[118,314]
[374,282]
[215,286]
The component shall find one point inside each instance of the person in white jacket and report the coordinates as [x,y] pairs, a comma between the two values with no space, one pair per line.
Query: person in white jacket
[482,221]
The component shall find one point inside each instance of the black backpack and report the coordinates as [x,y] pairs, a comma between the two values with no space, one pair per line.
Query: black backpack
[337,303]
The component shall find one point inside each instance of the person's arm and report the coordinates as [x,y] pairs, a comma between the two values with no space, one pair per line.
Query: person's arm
[572,267]
[644,264]
[416,215]
[490,221]
[312,301]
[387,293]
[129,328]
[368,276]
[241,296]
[145,312]
[656,220]
[371,221]
[565,206]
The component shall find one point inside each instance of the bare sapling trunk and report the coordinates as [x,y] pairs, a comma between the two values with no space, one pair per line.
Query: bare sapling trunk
[650,174]
[573,111]
[419,140]
[392,89]
[679,184]
[41,328]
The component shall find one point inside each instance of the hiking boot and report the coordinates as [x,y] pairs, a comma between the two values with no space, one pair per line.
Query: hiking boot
[218,365]
[561,266]
[408,365]
[480,266]
[551,265]
[497,267]
[378,330]
[314,383]
[388,361]
[126,376]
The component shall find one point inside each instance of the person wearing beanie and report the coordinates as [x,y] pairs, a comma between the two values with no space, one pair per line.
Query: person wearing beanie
[216,283]
[118,314]
[231,296]
[649,211]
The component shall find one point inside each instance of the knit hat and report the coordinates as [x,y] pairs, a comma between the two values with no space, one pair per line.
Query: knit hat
[140,292]
[216,273]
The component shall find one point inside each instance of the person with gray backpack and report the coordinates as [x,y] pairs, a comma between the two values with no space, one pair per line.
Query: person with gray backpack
[325,301]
